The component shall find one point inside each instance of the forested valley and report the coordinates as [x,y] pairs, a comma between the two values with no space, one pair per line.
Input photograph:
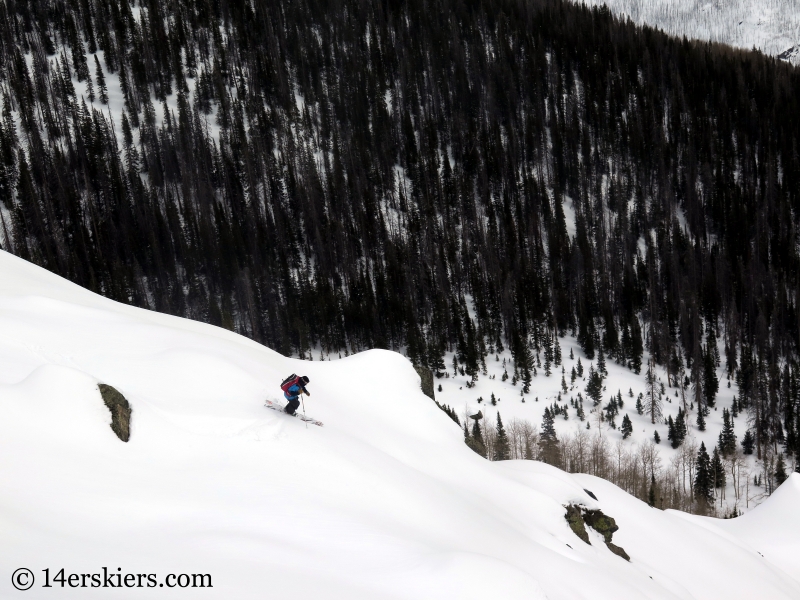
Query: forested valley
[430,176]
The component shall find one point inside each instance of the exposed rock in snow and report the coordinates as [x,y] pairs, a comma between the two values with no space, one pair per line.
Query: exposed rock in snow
[120,411]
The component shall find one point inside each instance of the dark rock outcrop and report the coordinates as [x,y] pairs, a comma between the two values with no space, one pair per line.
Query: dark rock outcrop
[575,520]
[120,411]
[618,551]
[601,523]
[789,53]
[426,381]
[578,517]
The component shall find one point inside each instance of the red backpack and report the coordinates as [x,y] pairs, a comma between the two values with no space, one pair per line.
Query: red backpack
[289,382]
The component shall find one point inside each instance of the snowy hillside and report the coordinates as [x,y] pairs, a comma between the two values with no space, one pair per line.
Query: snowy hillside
[384,501]
[772,26]
[585,430]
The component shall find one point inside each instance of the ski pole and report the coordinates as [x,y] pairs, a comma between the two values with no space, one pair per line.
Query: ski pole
[304,410]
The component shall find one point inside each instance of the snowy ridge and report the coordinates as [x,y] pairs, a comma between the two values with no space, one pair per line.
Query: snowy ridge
[772,26]
[385,501]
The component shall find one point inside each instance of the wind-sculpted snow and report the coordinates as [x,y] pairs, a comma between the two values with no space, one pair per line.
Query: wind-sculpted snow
[772,26]
[772,530]
[384,501]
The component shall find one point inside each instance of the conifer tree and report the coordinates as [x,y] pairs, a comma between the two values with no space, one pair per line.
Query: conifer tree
[710,380]
[637,347]
[127,95]
[476,441]
[790,441]
[627,427]
[639,406]
[580,367]
[436,362]
[748,442]
[701,419]
[501,449]
[526,381]
[548,440]
[703,488]
[90,88]
[651,494]
[586,333]
[717,469]
[548,355]
[656,437]
[524,362]
[780,470]
[601,362]
[594,387]
[727,437]
[680,428]
[653,398]
[611,411]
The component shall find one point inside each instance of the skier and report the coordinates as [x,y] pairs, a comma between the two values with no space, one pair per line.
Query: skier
[292,387]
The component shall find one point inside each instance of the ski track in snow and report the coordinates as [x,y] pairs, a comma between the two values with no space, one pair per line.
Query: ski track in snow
[385,501]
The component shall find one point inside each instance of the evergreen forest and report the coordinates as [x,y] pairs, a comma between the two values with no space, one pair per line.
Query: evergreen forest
[427,175]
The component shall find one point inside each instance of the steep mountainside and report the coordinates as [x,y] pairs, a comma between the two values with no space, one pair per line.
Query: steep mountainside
[384,501]
[432,176]
[772,26]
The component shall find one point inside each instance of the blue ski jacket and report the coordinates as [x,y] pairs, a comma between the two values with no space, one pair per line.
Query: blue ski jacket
[294,391]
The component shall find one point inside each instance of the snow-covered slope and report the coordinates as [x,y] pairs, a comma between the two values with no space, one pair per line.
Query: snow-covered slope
[384,501]
[772,530]
[460,393]
[772,26]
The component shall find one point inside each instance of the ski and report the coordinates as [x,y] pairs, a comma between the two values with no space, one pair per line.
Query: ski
[279,408]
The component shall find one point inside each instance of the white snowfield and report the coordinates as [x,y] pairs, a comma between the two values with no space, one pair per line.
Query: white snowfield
[384,501]
[772,26]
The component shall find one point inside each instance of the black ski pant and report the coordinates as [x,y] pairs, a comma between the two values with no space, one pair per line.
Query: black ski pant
[292,405]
